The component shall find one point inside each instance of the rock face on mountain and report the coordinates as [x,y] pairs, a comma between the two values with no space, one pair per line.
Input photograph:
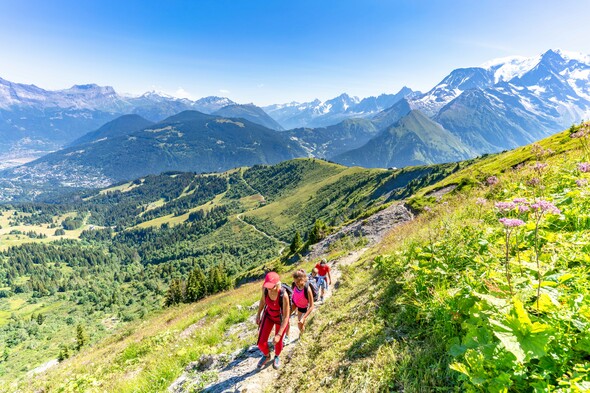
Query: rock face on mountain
[249,112]
[189,141]
[413,140]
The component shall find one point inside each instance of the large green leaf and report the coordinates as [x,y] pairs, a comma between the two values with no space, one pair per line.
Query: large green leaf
[520,336]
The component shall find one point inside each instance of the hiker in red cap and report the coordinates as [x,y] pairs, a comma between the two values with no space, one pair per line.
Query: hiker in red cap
[275,302]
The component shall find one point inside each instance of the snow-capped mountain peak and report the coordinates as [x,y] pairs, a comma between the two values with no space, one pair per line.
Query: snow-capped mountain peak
[506,68]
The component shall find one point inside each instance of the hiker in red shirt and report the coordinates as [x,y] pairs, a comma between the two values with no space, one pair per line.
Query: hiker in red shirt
[324,279]
[275,303]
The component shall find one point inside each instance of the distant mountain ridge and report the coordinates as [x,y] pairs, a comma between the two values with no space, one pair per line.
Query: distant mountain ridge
[325,113]
[512,101]
[35,118]
[413,140]
[249,112]
[500,105]
[189,141]
[124,125]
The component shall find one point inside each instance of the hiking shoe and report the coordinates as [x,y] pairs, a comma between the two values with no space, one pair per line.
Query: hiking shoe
[277,363]
[286,341]
[262,362]
[321,298]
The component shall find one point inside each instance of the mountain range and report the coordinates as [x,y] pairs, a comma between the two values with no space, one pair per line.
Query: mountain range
[32,118]
[125,149]
[503,104]
[325,113]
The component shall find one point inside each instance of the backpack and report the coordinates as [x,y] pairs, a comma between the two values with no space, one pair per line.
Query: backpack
[315,291]
[284,288]
[313,284]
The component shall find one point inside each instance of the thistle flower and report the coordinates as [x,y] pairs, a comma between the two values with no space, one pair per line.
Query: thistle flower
[511,222]
[492,180]
[584,167]
[505,206]
[519,200]
[537,149]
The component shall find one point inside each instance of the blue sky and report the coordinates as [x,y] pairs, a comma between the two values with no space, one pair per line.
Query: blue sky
[274,51]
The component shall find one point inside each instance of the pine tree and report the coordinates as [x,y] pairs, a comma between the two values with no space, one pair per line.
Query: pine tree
[40,319]
[81,338]
[174,294]
[64,353]
[297,243]
[318,232]
[214,281]
[195,285]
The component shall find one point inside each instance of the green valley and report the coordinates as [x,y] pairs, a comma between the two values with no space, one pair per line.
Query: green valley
[104,259]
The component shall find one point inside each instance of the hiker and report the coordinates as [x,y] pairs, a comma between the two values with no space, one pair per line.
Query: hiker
[275,302]
[302,298]
[313,275]
[325,279]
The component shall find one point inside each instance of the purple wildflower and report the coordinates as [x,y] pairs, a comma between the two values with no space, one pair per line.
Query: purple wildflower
[582,182]
[481,201]
[427,209]
[545,206]
[520,200]
[580,134]
[492,180]
[539,166]
[511,222]
[535,181]
[505,206]
[584,167]
[523,208]
[537,149]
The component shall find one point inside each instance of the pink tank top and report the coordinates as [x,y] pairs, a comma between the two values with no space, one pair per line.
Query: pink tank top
[299,297]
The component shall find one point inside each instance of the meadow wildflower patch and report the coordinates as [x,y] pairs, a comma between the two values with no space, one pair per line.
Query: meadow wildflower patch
[503,279]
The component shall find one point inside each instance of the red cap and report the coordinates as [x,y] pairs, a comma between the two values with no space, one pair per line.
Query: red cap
[271,280]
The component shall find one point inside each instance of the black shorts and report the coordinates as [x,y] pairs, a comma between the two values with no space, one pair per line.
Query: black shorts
[303,310]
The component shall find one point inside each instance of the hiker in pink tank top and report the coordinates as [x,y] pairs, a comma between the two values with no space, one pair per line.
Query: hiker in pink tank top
[275,303]
[302,300]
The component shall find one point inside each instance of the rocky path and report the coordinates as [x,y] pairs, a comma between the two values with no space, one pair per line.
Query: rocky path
[237,372]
